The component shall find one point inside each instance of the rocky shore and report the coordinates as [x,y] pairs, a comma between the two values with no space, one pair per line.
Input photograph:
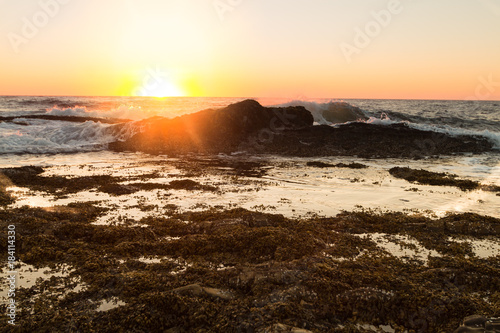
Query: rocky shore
[241,270]
[248,126]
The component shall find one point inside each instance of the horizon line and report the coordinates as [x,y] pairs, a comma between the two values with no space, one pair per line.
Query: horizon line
[253,97]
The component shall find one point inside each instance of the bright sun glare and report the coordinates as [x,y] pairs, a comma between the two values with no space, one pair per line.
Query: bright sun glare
[163,89]
[167,89]
[155,84]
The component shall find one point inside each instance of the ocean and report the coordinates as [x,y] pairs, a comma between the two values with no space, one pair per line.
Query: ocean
[60,144]
[42,136]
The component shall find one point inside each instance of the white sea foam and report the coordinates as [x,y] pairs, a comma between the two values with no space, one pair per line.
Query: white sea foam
[383,120]
[43,136]
[338,112]
[332,112]
[494,137]
[122,112]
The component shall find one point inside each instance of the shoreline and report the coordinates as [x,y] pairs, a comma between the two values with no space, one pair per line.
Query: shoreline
[238,269]
[227,268]
[274,183]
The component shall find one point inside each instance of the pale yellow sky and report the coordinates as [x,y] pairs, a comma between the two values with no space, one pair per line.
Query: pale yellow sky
[261,48]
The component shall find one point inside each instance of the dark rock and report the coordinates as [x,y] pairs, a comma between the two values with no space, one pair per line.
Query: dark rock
[371,141]
[214,130]
[248,126]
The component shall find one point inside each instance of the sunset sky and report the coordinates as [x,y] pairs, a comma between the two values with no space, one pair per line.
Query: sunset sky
[422,49]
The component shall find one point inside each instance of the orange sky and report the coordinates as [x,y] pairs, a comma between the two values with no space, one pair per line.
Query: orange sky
[261,48]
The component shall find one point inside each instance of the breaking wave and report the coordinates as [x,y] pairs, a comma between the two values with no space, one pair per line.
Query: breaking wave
[28,135]
[492,136]
[333,112]
[122,112]
[336,113]
[37,136]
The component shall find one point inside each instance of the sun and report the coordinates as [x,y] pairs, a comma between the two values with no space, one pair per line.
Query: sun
[164,89]
[156,84]
[168,89]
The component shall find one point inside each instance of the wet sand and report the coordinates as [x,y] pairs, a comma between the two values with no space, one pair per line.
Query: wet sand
[251,244]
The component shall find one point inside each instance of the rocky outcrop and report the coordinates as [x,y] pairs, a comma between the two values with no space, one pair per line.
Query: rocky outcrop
[214,131]
[248,126]
[370,141]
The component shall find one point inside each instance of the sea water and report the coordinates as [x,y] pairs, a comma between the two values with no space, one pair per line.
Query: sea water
[70,148]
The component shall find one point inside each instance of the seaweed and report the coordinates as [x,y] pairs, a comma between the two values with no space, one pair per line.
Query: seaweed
[5,198]
[190,185]
[338,165]
[240,270]
[30,177]
[433,178]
